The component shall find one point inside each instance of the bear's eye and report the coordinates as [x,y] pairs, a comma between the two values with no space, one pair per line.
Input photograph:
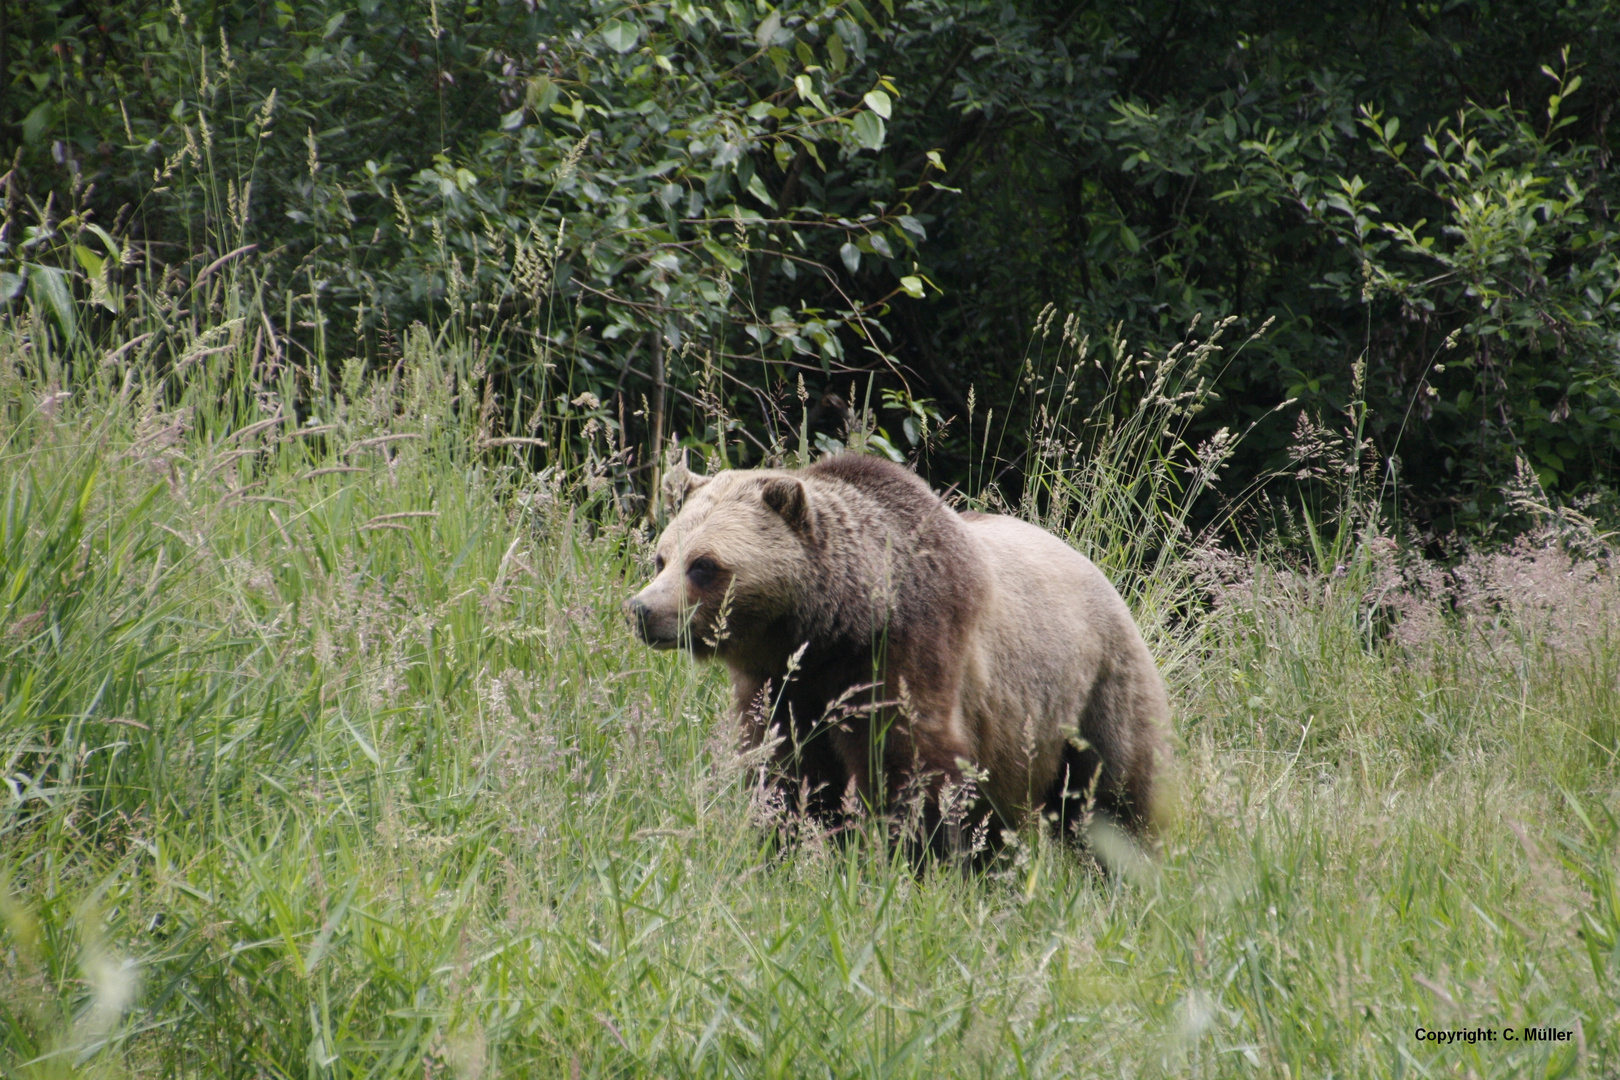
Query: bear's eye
[702,571]
[658,565]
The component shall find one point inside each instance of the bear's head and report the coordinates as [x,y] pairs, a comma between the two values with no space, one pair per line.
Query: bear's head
[731,569]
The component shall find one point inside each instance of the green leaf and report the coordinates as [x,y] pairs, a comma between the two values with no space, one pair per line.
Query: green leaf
[723,256]
[766,32]
[112,245]
[621,36]
[49,287]
[541,93]
[756,188]
[913,286]
[37,121]
[913,226]
[869,130]
[1128,238]
[879,102]
[882,442]
[880,244]
[11,284]
[851,256]
[88,259]
[836,53]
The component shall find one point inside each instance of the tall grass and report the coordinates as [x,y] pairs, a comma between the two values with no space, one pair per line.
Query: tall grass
[326,755]
[1118,475]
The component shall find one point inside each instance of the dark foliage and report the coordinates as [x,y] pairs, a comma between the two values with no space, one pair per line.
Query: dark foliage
[676,212]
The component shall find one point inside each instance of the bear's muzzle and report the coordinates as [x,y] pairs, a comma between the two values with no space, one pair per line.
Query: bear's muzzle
[646,625]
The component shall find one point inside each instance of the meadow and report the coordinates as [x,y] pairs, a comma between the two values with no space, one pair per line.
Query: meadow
[326,754]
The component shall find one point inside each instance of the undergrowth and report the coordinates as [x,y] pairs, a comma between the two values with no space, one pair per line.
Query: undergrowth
[326,754]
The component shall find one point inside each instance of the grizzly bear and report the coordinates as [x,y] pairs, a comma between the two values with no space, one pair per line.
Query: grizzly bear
[889,644]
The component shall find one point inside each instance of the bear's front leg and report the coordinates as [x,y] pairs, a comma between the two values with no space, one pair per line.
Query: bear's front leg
[803,766]
[923,752]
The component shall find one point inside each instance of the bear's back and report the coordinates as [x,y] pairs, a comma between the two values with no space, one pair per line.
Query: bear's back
[898,490]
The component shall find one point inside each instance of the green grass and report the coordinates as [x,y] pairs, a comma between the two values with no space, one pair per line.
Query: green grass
[298,785]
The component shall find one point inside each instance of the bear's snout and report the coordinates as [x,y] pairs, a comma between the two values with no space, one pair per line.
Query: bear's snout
[645,624]
[635,613]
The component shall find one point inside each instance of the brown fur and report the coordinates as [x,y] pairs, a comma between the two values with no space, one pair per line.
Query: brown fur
[889,642]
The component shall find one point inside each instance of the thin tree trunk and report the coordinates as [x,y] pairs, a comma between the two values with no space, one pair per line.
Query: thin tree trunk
[656,450]
[5,61]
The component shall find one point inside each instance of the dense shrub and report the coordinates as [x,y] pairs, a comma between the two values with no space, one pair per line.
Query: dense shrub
[683,209]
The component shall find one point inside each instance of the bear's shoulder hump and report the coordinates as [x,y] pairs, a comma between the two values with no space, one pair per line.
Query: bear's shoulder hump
[872,475]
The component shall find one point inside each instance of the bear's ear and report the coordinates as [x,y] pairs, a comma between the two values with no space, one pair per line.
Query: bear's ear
[786,495]
[679,485]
